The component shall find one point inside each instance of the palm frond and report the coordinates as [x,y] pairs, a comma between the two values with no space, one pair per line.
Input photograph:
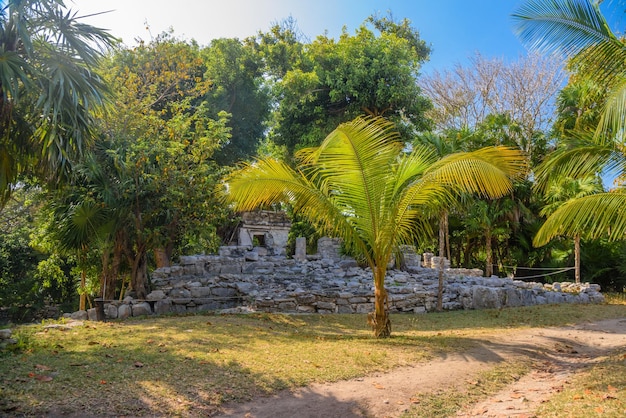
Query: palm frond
[614,115]
[595,216]
[487,171]
[583,156]
[562,26]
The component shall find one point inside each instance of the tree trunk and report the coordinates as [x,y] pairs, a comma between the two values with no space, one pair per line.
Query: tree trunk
[577,258]
[489,266]
[442,246]
[379,319]
[161,257]
[83,279]
[138,275]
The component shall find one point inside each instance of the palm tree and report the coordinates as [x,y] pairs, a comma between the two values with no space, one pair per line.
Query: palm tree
[577,30]
[564,189]
[360,185]
[48,88]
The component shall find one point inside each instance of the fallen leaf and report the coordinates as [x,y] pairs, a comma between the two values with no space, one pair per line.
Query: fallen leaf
[138,364]
[43,378]
[208,323]
[31,374]
[599,410]
[107,355]
[42,367]
[587,391]
[103,382]
[414,400]
[608,396]
[378,386]
[577,397]
[150,342]
[93,343]
[472,382]
[612,388]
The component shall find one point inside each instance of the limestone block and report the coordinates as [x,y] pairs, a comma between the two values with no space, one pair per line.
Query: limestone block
[300,253]
[485,298]
[306,299]
[200,292]
[512,298]
[180,293]
[287,306]
[345,309]
[5,334]
[224,292]
[246,287]
[362,308]
[252,256]
[327,306]
[124,311]
[156,295]
[80,315]
[110,311]
[163,306]
[234,268]
[141,308]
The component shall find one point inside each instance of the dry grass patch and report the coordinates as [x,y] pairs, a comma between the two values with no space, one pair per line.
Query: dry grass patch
[597,392]
[191,365]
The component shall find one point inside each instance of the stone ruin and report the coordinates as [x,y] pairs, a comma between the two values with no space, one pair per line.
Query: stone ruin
[251,278]
[264,229]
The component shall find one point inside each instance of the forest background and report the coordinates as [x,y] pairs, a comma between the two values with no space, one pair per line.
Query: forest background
[94,217]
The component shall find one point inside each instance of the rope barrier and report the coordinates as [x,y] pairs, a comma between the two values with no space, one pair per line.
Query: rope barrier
[556,270]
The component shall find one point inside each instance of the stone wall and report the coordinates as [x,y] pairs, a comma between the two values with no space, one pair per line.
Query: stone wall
[244,279]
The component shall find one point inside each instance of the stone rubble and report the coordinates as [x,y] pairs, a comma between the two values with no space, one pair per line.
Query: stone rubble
[5,338]
[245,279]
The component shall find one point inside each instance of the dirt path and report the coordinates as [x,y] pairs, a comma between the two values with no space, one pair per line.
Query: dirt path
[561,351]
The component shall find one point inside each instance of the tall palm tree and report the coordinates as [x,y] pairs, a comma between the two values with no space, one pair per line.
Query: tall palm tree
[577,30]
[360,185]
[48,88]
[562,190]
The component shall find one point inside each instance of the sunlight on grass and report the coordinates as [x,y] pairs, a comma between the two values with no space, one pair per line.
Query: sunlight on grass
[447,403]
[597,392]
[169,365]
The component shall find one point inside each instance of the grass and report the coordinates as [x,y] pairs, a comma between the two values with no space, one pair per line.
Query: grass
[597,392]
[179,364]
[447,403]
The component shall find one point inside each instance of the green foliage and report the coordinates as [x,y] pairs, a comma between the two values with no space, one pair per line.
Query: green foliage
[48,89]
[361,186]
[235,72]
[30,273]
[329,81]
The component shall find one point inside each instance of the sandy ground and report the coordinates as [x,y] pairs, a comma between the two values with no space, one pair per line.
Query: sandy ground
[560,351]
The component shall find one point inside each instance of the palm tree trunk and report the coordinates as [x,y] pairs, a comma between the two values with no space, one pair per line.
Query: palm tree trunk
[442,245]
[379,319]
[489,266]
[577,258]
[83,279]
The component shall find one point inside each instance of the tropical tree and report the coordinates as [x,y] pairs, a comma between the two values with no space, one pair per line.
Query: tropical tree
[577,30]
[48,88]
[237,86]
[564,189]
[326,82]
[360,185]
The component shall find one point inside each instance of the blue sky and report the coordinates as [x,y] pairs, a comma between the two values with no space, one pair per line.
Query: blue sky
[455,29]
